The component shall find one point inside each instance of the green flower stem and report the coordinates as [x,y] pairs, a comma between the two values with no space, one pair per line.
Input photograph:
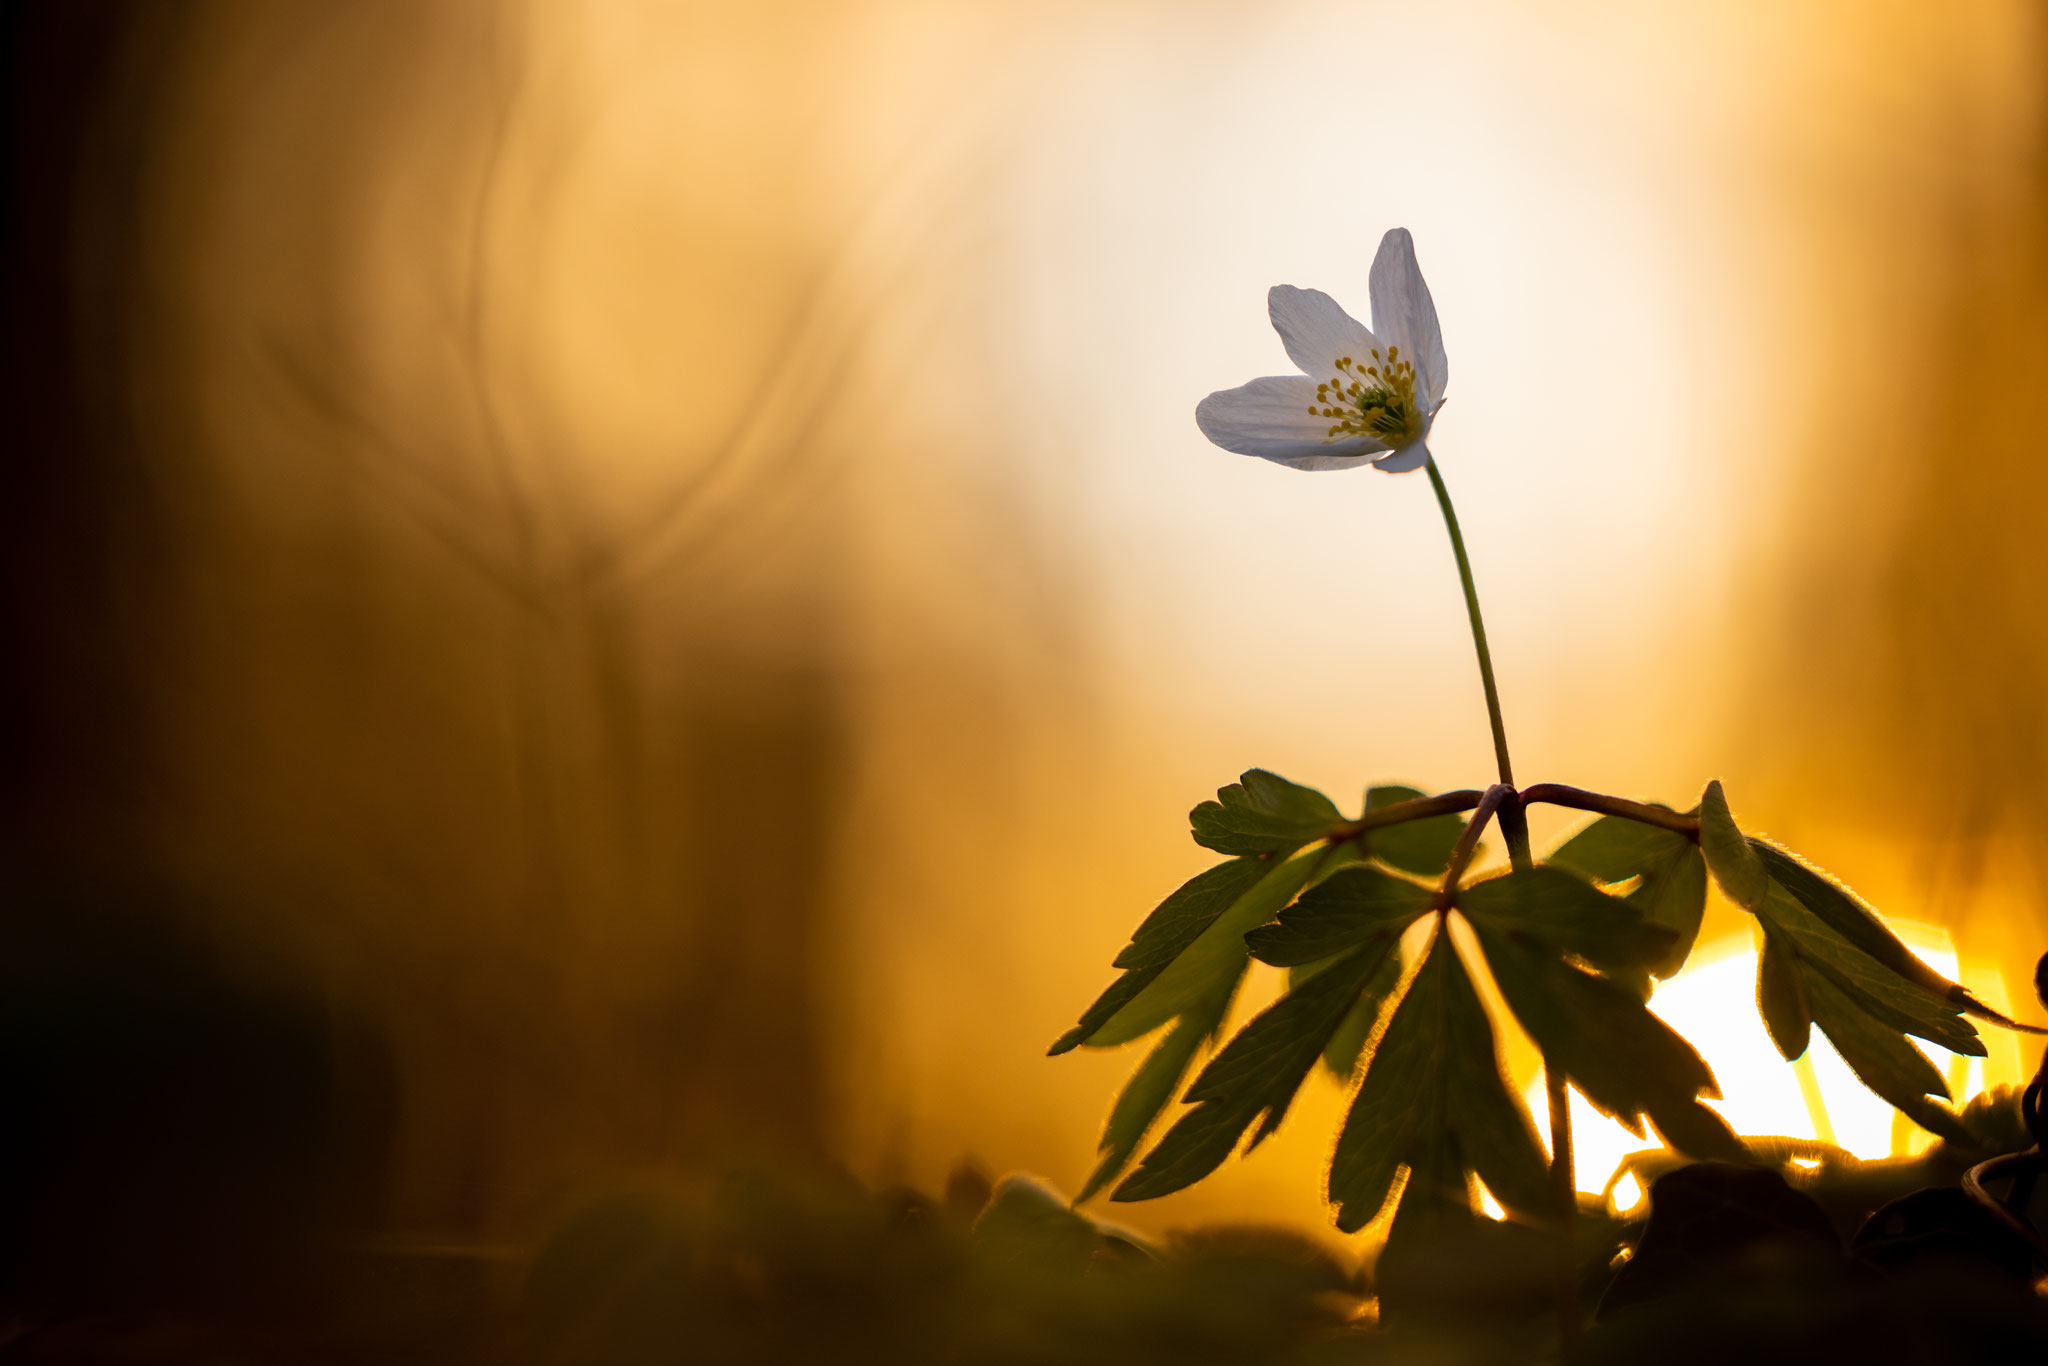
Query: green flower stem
[1514,826]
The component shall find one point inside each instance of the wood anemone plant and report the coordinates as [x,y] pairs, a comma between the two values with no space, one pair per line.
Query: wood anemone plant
[1573,942]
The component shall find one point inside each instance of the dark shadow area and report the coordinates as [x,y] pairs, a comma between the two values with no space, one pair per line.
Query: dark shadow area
[178,1143]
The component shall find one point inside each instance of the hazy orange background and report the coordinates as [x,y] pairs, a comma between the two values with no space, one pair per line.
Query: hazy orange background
[677,576]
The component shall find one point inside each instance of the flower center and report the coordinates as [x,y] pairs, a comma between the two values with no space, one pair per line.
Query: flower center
[1377,400]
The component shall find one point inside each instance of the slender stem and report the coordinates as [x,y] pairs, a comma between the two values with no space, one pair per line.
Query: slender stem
[1566,1190]
[1468,841]
[1579,799]
[1414,809]
[1514,827]
[1500,731]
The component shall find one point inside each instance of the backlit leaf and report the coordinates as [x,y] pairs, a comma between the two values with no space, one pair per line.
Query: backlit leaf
[1422,847]
[1433,1099]
[1877,991]
[1626,1061]
[1669,876]
[1341,1053]
[1263,813]
[1174,925]
[1780,999]
[1882,1059]
[1844,913]
[1729,857]
[1257,1074]
[1345,909]
[1569,914]
[1151,1087]
[1216,954]
[1180,919]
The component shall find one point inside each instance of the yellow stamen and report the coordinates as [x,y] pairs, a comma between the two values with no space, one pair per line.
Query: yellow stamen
[1378,401]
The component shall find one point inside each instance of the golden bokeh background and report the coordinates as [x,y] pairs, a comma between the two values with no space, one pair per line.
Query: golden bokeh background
[662,559]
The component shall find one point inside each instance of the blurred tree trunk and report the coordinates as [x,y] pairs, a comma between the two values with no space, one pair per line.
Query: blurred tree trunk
[346,673]
[1904,696]
[67,705]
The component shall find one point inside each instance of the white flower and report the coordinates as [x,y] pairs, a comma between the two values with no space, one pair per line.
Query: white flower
[1362,397]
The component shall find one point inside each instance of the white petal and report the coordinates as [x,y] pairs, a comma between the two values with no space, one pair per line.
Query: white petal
[1409,457]
[1316,330]
[1270,418]
[1404,315]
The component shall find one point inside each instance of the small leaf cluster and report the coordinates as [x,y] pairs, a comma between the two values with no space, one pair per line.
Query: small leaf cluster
[1385,944]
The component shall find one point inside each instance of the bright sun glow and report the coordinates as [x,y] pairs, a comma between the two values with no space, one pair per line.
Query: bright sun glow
[1713,1004]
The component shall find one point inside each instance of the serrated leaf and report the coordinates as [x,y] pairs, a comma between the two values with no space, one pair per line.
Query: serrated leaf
[1347,1041]
[1256,1074]
[1216,954]
[1844,913]
[1166,933]
[1437,1196]
[1392,1102]
[1141,1100]
[1614,848]
[1729,857]
[1180,919]
[1114,998]
[1422,847]
[1346,909]
[1781,1000]
[1669,873]
[1569,914]
[1263,813]
[1491,1124]
[1433,1099]
[1874,988]
[1151,1087]
[1882,1059]
[1626,1061]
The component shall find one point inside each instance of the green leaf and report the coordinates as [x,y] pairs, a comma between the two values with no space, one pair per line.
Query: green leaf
[1347,908]
[1218,953]
[1348,1041]
[1433,1100]
[1697,1131]
[1729,857]
[1257,1074]
[1492,1125]
[1152,1086]
[1180,919]
[1025,1221]
[1393,1103]
[1567,913]
[1669,874]
[1175,924]
[1780,999]
[1866,1009]
[1840,909]
[1422,847]
[1874,988]
[1263,813]
[1626,1061]
[1882,1059]
[1634,982]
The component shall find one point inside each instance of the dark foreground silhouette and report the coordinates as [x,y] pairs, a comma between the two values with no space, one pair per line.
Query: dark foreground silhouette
[190,1169]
